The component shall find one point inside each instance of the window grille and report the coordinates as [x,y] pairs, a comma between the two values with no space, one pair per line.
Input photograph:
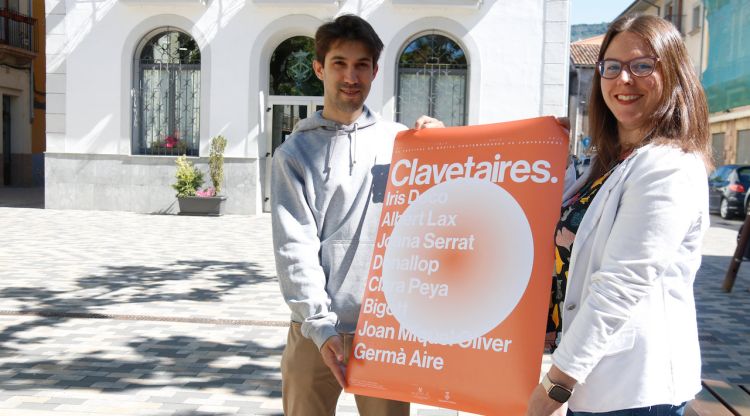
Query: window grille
[291,68]
[432,80]
[167,102]
[16,29]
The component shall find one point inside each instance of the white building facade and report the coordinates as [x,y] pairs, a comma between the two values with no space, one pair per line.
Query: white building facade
[133,83]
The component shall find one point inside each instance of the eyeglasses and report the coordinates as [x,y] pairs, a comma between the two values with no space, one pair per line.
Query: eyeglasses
[640,67]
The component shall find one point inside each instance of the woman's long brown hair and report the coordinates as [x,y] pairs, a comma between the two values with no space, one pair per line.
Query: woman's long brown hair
[680,120]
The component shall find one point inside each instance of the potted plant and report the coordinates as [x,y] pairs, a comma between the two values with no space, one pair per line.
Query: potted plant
[193,201]
[216,163]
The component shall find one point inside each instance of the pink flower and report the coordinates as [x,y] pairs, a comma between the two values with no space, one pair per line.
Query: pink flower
[171,141]
[206,192]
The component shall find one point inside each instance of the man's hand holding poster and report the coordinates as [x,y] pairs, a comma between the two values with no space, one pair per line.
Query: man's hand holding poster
[455,306]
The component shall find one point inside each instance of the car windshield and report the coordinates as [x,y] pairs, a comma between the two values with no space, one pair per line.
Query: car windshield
[720,174]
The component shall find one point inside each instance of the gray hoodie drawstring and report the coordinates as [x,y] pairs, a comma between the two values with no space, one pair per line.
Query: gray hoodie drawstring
[331,148]
[353,148]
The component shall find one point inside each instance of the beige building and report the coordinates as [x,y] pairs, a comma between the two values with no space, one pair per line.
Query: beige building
[583,56]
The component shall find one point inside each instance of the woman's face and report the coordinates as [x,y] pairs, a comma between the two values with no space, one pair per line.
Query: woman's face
[631,99]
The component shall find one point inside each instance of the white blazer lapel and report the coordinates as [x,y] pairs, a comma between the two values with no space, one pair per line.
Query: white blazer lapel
[595,210]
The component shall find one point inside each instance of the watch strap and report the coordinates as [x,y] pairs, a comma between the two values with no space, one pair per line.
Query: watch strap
[556,392]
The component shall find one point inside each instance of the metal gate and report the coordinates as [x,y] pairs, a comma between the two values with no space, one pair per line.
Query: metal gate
[166,102]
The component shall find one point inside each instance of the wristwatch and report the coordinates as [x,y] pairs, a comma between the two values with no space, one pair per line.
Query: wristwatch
[556,392]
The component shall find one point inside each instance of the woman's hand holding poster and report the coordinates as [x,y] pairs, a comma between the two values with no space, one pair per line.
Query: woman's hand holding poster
[454,311]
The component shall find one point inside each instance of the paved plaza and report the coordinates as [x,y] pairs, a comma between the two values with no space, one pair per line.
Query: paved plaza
[114,313]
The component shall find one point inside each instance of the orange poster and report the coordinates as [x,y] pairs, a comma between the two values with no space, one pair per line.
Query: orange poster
[455,307]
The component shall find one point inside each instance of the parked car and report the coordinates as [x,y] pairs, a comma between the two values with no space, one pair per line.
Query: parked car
[727,190]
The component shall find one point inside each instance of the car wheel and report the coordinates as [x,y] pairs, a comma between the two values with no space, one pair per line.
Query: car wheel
[724,209]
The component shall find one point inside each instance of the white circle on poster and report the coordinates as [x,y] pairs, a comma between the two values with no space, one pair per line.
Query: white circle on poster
[458,261]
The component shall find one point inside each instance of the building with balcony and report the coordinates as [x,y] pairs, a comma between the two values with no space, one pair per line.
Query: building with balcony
[134,83]
[21,153]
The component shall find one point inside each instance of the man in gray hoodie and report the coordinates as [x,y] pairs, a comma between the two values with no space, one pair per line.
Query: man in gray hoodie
[327,187]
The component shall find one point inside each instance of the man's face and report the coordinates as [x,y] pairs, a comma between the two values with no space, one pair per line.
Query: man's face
[347,75]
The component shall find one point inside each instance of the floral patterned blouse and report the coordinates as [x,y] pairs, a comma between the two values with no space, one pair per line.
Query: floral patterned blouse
[571,215]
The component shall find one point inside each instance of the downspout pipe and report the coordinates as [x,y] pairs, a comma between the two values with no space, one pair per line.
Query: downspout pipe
[704,17]
[30,12]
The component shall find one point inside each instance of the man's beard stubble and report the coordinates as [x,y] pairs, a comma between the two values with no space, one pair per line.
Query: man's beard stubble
[346,105]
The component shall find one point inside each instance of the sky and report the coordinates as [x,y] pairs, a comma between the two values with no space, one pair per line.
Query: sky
[596,11]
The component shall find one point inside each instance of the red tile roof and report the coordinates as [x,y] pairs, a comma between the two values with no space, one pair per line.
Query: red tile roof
[586,51]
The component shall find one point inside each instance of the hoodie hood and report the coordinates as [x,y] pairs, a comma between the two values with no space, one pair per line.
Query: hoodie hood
[366,119]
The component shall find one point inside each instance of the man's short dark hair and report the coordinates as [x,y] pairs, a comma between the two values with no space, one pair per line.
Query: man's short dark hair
[347,27]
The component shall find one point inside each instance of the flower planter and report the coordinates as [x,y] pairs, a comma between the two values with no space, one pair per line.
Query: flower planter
[201,205]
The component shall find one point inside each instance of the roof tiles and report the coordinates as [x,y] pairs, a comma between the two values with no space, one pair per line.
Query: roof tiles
[586,51]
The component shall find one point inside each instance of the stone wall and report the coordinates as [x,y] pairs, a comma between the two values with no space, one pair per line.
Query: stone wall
[138,183]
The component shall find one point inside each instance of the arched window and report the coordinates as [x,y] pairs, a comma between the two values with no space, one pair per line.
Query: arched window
[291,68]
[432,80]
[167,108]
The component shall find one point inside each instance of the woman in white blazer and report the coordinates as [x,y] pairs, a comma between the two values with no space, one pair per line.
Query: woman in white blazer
[628,241]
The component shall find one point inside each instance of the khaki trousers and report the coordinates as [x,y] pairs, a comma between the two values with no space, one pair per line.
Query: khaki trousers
[309,388]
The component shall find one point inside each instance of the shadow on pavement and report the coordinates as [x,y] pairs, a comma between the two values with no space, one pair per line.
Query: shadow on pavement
[729,224]
[119,285]
[129,285]
[180,361]
[176,361]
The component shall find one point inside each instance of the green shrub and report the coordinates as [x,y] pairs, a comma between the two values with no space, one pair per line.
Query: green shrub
[189,178]
[216,162]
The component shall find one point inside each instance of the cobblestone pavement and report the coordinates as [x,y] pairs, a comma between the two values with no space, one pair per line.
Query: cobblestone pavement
[723,324]
[109,313]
